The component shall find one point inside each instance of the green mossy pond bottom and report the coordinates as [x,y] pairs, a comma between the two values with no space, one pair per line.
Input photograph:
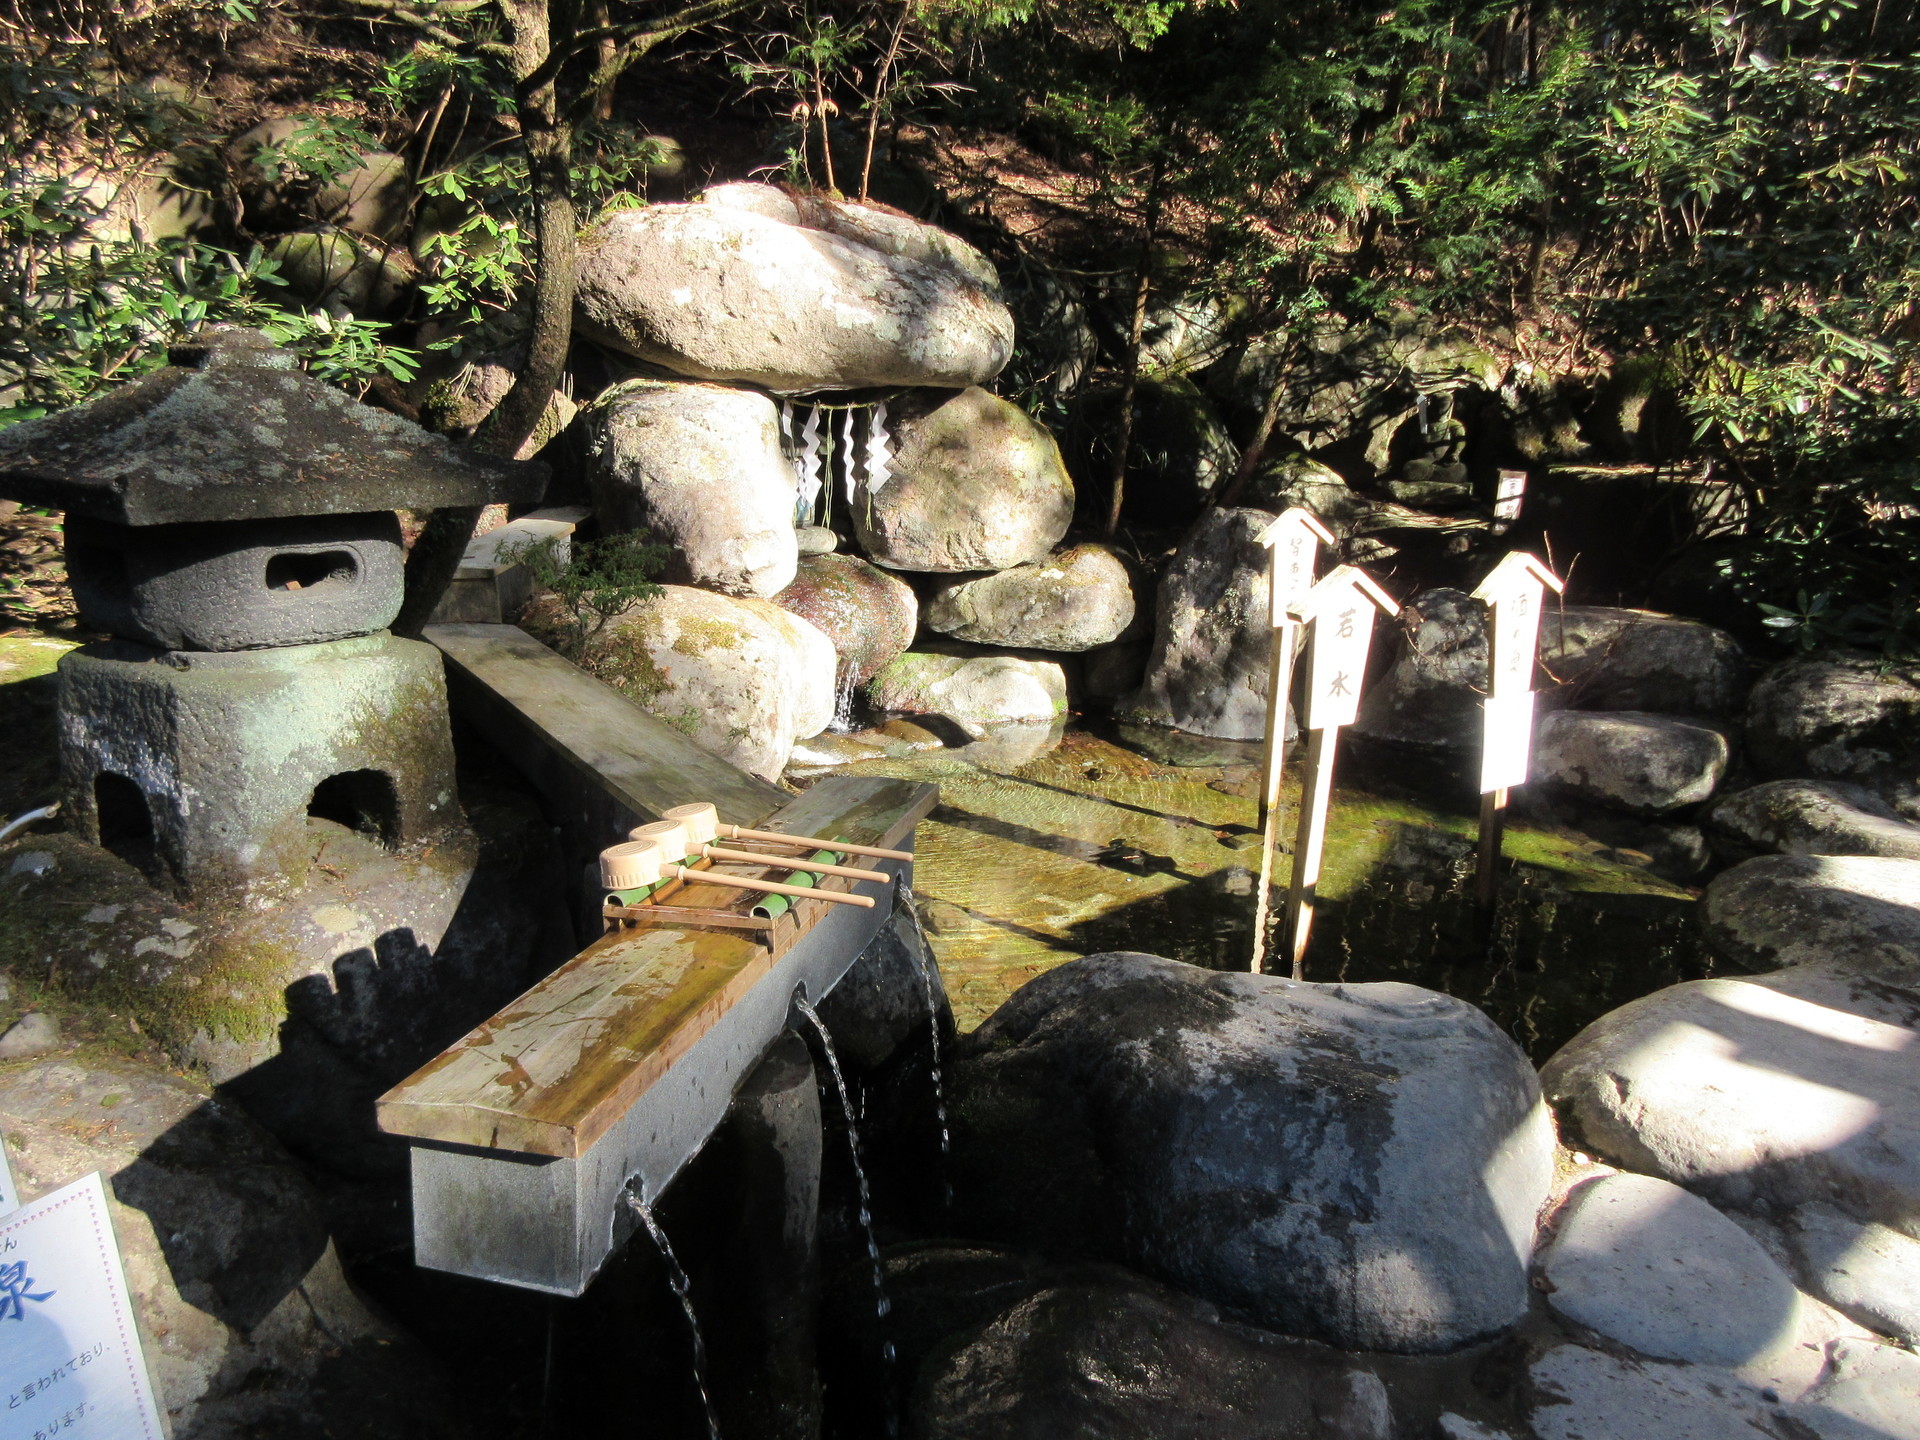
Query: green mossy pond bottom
[1051,845]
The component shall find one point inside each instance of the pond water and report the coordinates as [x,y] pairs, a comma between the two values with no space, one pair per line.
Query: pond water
[1054,842]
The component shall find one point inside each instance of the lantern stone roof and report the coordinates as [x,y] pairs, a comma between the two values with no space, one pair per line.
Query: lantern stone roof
[232,429]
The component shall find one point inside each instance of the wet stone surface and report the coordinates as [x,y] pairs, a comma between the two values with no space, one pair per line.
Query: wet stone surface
[1040,854]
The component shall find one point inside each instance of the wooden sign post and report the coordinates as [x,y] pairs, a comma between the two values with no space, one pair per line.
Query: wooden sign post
[1295,540]
[1339,613]
[1512,593]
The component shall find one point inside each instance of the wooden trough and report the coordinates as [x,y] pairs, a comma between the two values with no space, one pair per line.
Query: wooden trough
[619,1065]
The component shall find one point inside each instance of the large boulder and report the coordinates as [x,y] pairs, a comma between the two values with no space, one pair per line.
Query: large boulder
[1075,600]
[1859,911]
[976,690]
[1840,718]
[740,677]
[1657,1268]
[1605,658]
[343,272]
[1429,697]
[1358,1164]
[1211,637]
[1814,817]
[720,292]
[700,466]
[1760,1093]
[1591,658]
[874,226]
[1178,454]
[1646,765]
[248,1323]
[869,615]
[975,483]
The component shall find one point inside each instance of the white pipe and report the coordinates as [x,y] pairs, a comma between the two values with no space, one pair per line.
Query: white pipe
[19,823]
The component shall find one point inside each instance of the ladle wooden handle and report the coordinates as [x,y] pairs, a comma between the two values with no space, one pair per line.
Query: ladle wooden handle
[773,837]
[740,882]
[785,862]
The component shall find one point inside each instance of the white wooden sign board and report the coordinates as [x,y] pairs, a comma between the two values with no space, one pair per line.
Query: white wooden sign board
[1508,499]
[70,1361]
[1342,607]
[1296,538]
[1508,735]
[1516,635]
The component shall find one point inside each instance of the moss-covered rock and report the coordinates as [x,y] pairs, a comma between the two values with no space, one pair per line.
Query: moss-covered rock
[1073,600]
[975,689]
[869,615]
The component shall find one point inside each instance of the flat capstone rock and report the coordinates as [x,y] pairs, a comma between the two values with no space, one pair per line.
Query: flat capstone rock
[1581,1394]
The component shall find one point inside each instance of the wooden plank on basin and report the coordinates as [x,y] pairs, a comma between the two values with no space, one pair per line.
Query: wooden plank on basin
[552,1072]
[602,763]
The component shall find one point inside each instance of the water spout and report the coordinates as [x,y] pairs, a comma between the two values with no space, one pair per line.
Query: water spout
[925,960]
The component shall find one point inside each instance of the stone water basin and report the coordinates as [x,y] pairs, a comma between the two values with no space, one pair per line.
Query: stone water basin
[1055,842]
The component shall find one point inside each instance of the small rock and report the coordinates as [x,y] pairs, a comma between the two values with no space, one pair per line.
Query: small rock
[1858,911]
[1075,600]
[1840,718]
[1815,817]
[815,540]
[34,1033]
[699,466]
[1207,672]
[1645,1263]
[975,483]
[1875,1387]
[1865,1271]
[1583,1395]
[869,615]
[1354,1406]
[975,691]
[1458,1427]
[1643,764]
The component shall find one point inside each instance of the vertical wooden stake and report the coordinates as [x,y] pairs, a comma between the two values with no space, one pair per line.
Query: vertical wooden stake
[1316,794]
[1286,639]
[1493,820]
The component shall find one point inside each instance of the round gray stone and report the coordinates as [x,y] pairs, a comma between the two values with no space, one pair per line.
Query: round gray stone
[977,691]
[1643,764]
[1840,718]
[1870,1392]
[1645,1263]
[975,483]
[699,466]
[1262,1142]
[1582,1394]
[1207,672]
[1858,911]
[1762,1092]
[1815,817]
[34,1033]
[1865,1271]
[1074,600]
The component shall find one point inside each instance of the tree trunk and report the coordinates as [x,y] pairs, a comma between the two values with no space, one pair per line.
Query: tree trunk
[1142,290]
[534,25]
[1256,450]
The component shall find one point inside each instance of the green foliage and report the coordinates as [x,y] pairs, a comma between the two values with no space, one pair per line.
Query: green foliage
[594,580]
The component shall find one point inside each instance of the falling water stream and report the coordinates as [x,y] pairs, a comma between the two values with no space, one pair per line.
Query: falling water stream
[881,1305]
[925,961]
[683,1288]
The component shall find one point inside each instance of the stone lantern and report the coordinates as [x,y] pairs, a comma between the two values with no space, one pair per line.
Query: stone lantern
[230,521]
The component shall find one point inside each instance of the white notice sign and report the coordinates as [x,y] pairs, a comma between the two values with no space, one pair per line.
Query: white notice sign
[70,1362]
[1295,538]
[1509,741]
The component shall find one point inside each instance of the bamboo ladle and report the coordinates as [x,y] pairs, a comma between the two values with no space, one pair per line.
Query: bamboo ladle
[636,863]
[703,824]
[673,838]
